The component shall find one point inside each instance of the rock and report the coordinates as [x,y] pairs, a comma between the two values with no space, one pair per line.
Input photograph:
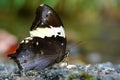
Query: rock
[104,71]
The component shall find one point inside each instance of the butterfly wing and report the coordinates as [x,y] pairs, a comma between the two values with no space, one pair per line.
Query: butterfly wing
[46,44]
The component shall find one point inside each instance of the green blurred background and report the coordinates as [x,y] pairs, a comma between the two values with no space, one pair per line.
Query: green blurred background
[94,22]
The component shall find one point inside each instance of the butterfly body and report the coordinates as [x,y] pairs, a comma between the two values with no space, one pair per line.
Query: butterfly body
[46,44]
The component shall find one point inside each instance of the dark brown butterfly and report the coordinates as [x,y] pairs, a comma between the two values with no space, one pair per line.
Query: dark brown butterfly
[46,44]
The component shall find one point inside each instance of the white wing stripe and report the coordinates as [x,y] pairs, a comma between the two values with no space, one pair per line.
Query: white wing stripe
[48,32]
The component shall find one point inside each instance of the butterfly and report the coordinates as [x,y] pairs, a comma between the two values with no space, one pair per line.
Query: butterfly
[46,44]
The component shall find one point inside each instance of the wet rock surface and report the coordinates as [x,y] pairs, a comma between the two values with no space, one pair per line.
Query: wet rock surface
[104,71]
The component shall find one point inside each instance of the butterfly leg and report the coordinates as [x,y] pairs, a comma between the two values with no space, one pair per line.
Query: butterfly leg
[66,59]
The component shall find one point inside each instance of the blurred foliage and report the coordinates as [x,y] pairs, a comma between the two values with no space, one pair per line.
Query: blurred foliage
[95,22]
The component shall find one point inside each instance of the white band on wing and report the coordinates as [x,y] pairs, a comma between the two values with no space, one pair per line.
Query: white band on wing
[48,32]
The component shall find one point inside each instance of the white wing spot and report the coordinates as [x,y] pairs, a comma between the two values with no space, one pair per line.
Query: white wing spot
[37,43]
[42,23]
[41,52]
[22,41]
[29,38]
[49,12]
[62,44]
[26,41]
[42,5]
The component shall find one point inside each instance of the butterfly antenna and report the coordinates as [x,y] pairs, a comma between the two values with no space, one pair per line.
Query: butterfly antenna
[75,45]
